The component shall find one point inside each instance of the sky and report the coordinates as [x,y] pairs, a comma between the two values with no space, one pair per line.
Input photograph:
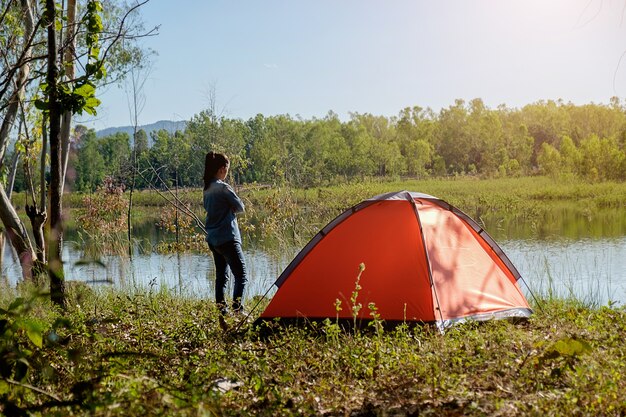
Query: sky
[308,57]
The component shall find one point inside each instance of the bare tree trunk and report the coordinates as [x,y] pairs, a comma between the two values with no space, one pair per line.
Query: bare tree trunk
[11,183]
[12,172]
[176,218]
[136,102]
[43,189]
[55,240]
[16,231]
[20,82]
[38,214]
[131,191]
[37,217]
[30,267]
[37,221]
[68,63]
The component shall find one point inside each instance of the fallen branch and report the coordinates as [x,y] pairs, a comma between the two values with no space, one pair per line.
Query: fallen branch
[33,388]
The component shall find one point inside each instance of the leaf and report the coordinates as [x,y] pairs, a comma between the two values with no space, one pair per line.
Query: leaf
[85,90]
[35,337]
[34,333]
[101,73]
[571,347]
[4,387]
[41,104]
[92,102]
[90,106]
[19,147]
[16,303]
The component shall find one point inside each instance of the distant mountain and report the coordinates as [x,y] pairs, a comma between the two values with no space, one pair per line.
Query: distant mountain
[168,125]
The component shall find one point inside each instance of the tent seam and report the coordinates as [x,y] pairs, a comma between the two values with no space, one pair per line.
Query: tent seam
[411,200]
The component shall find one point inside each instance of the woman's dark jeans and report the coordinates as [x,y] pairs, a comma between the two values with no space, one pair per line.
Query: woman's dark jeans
[229,256]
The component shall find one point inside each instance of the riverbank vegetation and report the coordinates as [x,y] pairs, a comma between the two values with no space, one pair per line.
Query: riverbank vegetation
[282,214]
[550,138]
[122,353]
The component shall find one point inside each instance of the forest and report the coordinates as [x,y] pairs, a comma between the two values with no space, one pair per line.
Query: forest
[467,138]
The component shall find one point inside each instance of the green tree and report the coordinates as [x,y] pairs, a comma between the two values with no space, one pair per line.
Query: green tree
[487,149]
[276,150]
[160,159]
[360,164]
[325,150]
[549,160]
[140,154]
[415,130]
[547,121]
[453,142]
[601,120]
[59,92]
[519,144]
[418,155]
[207,132]
[115,149]
[570,156]
[384,147]
[601,159]
[90,163]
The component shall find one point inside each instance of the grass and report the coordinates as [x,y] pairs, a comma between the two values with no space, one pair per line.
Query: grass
[464,192]
[120,353]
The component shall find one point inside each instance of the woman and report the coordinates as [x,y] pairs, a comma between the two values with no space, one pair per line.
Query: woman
[222,232]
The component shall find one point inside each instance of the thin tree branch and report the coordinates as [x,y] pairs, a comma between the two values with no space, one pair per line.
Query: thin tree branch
[113,38]
[33,388]
[42,173]
[175,201]
[121,26]
[21,61]
[26,163]
[180,205]
[6,10]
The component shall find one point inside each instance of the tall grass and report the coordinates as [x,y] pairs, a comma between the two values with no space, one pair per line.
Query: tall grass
[463,192]
[582,278]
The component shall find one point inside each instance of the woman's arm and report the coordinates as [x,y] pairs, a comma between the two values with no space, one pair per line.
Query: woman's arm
[233,199]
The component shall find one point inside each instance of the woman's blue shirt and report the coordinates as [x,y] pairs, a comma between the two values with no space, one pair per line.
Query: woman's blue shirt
[221,205]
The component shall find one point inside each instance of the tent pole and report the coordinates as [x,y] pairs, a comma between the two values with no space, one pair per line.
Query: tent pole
[243,320]
[430,272]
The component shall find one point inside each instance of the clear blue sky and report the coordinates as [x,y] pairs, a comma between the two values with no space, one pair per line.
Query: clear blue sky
[311,56]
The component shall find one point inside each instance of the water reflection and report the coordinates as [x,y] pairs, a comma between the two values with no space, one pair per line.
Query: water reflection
[556,222]
[591,270]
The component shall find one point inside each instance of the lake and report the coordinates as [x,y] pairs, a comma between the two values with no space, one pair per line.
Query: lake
[563,253]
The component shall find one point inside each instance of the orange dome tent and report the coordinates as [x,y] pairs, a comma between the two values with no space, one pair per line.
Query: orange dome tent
[425,261]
